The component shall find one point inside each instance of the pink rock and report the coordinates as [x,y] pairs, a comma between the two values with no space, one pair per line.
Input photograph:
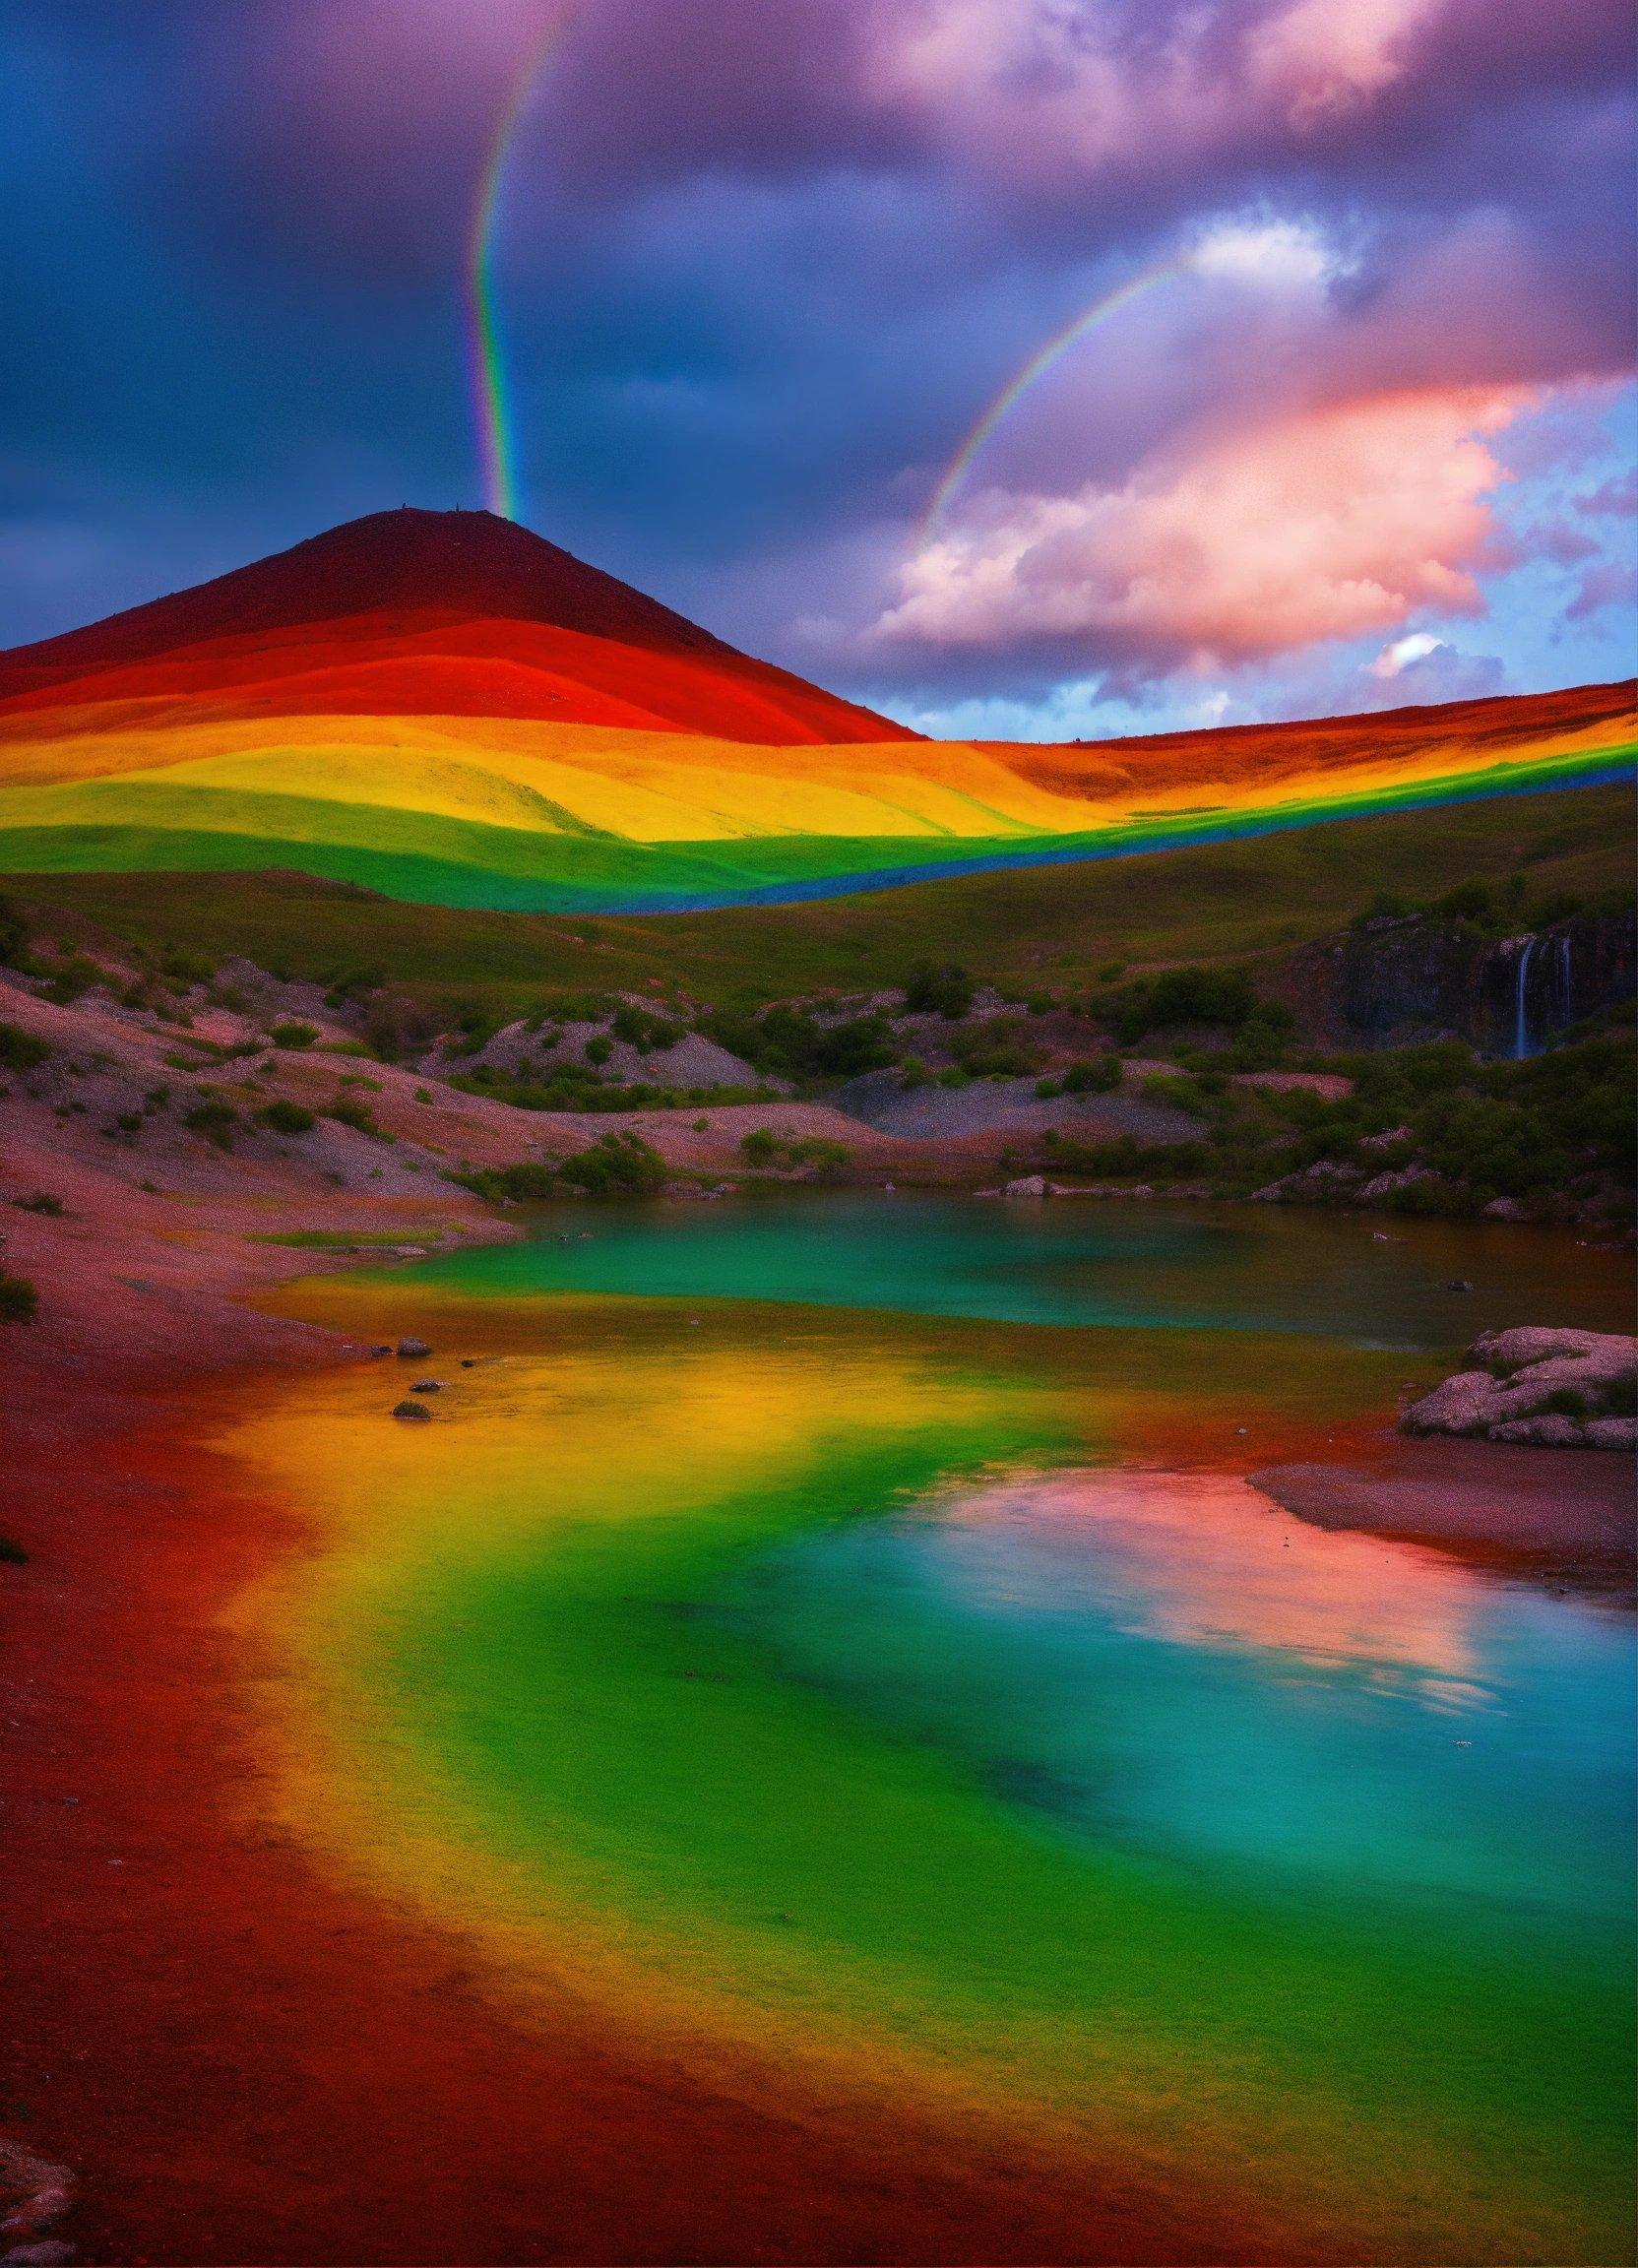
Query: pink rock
[1470,1403]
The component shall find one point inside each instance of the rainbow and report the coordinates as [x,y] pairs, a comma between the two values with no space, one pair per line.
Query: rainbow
[491,395]
[1035,367]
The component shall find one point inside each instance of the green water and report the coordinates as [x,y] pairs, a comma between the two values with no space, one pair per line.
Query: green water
[850,1612]
[1067,1262]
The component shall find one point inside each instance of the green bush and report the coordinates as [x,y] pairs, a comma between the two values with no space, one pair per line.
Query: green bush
[292,1034]
[794,1044]
[1096,1075]
[19,1301]
[600,1049]
[284,1117]
[41,1202]
[1000,1048]
[347,1111]
[939,988]
[21,1050]
[640,1029]
[1563,1402]
[762,1148]
[13,936]
[617,1164]
[1203,995]
[215,1119]
[1620,1398]
[12,1552]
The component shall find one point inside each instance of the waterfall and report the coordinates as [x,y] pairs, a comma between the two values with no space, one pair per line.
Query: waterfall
[1521,1021]
[1566,982]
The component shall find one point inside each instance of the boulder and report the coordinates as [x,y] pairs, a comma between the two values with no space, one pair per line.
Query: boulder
[418,1411]
[1610,1433]
[1532,1343]
[1031,1185]
[410,1350]
[1537,1365]
[1549,1432]
[1470,1403]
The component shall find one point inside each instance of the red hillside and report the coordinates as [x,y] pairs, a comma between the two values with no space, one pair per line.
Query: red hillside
[430,613]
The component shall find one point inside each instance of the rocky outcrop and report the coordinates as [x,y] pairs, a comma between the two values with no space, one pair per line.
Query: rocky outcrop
[1399,979]
[1542,1387]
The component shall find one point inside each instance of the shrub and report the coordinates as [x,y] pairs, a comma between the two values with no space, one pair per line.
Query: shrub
[1097,1075]
[797,1046]
[13,936]
[292,1034]
[1468,902]
[999,1047]
[761,1148]
[347,1111]
[19,1301]
[1563,1402]
[618,1164]
[284,1117]
[640,1029]
[940,989]
[1621,1397]
[600,1049]
[41,1202]
[215,1119]
[21,1050]
[12,1552]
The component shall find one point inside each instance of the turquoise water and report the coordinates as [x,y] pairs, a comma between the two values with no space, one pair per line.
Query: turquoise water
[1169,1665]
[1067,1262]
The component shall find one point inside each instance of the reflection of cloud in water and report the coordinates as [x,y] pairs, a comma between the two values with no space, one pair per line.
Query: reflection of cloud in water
[1203,1559]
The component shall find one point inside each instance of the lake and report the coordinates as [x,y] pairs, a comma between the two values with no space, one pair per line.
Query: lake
[832,1638]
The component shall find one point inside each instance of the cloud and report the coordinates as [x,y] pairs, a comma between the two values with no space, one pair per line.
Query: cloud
[1395,659]
[1612,582]
[1330,525]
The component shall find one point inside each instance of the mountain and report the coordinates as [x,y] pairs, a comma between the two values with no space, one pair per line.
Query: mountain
[446,709]
[451,613]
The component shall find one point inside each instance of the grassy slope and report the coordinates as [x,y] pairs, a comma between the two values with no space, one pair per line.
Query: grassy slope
[499,844]
[1227,900]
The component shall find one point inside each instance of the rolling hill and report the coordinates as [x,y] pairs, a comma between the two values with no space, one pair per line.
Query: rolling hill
[446,709]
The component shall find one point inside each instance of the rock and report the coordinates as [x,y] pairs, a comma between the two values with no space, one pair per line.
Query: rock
[48,2254]
[1457,1283]
[1385,1141]
[1610,1433]
[1504,1209]
[1385,1184]
[427,1386]
[1532,1343]
[380,1349]
[410,1349]
[1470,1403]
[1537,1365]
[414,1410]
[1031,1185]
[1549,1432]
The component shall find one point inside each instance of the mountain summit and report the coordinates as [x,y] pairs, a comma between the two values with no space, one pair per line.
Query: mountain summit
[454,612]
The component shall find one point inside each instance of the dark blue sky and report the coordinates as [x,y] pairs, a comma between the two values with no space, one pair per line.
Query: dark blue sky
[762,264]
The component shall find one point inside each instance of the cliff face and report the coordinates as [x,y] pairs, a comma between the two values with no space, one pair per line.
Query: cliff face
[1397,980]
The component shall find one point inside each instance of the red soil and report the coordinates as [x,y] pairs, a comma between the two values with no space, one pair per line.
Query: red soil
[1240,754]
[454,613]
[240,2061]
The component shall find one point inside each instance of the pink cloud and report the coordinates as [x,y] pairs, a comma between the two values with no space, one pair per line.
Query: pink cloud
[1319,524]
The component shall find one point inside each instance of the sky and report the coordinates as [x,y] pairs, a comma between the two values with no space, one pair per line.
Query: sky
[1034,368]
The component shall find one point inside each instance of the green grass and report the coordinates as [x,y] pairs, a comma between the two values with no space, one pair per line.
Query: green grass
[1058,924]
